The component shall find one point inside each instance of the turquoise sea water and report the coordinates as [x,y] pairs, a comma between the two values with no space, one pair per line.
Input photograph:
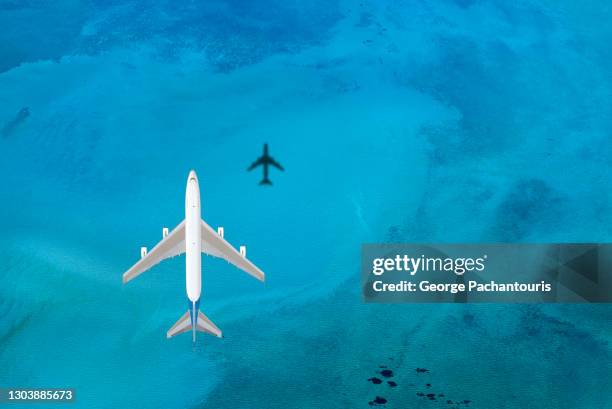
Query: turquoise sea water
[447,121]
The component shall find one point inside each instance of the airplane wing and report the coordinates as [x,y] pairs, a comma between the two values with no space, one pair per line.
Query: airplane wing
[274,163]
[215,245]
[258,162]
[171,245]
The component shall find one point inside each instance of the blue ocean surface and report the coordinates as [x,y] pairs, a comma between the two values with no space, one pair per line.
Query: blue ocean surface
[399,121]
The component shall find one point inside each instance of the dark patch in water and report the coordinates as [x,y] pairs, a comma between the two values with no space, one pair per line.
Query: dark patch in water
[529,204]
[365,20]
[15,329]
[10,126]
[378,401]
[40,31]
[463,62]
[394,235]
[468,319]
[375,380]
[387,373]
[422,370]
[392,384]
[231,33]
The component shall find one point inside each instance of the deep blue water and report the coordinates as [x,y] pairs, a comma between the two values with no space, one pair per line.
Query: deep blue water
[442,121]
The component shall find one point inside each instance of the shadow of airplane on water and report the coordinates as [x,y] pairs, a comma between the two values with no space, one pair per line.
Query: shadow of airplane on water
[265,160]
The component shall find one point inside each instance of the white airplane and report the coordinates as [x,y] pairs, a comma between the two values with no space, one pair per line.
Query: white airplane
[193,237]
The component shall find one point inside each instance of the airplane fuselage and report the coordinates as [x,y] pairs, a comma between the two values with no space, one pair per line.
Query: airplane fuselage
[193,239]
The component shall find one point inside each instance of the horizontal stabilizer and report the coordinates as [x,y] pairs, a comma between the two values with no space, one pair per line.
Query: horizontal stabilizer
[206,325]
[182,325]
[203,325]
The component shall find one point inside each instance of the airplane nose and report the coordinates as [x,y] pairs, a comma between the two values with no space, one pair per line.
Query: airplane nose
[192,175]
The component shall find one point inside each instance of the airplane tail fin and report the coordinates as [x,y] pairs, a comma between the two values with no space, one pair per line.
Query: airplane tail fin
[203,324]
[266,181]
